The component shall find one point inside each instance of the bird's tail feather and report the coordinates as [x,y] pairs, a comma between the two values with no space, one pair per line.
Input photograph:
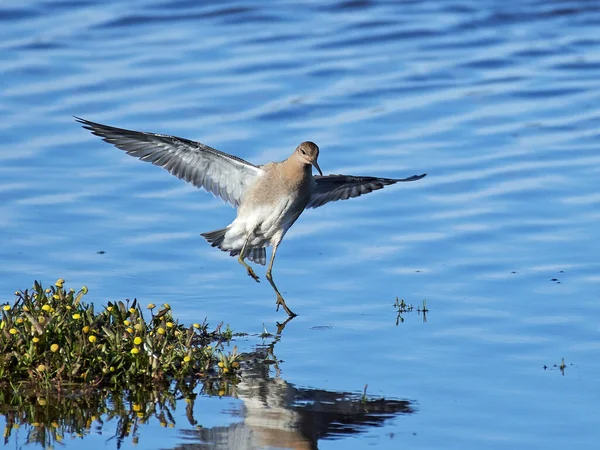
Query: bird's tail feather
[215,238]
[254,254]
[258,255]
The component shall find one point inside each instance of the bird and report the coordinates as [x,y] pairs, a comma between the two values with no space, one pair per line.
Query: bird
[274,413]
[269,198]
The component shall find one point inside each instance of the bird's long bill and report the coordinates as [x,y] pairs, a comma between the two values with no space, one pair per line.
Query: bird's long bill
[316,164]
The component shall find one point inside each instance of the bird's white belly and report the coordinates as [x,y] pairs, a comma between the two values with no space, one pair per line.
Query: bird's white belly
[265,224]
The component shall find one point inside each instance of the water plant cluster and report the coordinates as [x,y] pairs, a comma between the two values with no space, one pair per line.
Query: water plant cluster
[402,308]
[51,339]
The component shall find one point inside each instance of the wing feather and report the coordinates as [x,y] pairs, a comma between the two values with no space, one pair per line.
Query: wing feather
[331,188]
[224,175]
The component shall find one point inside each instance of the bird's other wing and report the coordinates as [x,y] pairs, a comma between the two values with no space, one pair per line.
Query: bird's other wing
[331,188]
[224,175]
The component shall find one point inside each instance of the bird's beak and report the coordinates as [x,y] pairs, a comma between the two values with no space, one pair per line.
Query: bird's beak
[316,164]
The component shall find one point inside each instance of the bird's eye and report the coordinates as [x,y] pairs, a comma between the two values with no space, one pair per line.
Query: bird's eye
[303,152]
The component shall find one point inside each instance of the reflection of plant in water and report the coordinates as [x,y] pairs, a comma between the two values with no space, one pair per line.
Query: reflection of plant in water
[562,366]
[402,307]
[48,417]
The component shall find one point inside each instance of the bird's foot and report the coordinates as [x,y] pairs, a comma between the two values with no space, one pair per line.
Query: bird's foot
[281,301]
[253,275]
[281,326]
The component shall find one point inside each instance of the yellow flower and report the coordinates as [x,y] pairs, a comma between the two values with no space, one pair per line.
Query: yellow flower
[41,368]
[56,297]
[59,283]
[220,364]
[140,415]
[196,325]
[54,424]
[46,308]
[163,424]
[151,306]
[169,324]
[13,331]
[167,306]
[20,320]
[132,310]
[225,370]
[111,368]
[25,308]
[130,330]
[84,290]
[92,339]
[135,351]
[76,316]
[6,307]
[137,407]
[138,327]
[127,322]
[109,308]
[187,359]
[137,341]
[54,348]
[177,332]
[36,340]
[41,320]
[86,329]
[48,290]
[161,330]
[69,308]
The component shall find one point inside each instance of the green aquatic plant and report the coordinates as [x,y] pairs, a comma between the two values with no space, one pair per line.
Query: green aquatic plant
[402,308]
[51,339]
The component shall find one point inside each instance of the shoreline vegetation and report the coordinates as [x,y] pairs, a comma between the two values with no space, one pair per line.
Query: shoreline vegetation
[62,357]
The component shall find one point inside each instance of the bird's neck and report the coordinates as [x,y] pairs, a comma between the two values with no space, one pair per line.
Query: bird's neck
[295,170]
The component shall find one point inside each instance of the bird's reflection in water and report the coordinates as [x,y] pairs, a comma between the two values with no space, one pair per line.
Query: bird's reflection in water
[279,415]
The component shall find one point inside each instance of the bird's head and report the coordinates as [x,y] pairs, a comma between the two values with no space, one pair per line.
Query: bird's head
[308,153]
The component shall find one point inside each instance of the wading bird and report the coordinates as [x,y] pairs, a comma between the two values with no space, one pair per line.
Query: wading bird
[269,197]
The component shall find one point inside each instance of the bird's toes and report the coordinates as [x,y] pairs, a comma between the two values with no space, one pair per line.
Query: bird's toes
[252,275]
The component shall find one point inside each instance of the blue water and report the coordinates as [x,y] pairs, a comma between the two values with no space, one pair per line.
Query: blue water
[498,102]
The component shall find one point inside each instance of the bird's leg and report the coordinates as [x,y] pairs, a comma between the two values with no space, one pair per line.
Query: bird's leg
[281,326]
[280,300]
[243,263]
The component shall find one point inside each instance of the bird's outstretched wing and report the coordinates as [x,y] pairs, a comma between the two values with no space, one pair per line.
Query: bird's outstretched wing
[224,175]
[331,188]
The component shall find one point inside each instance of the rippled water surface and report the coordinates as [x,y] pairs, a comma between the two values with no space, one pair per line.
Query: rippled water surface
[497,101]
